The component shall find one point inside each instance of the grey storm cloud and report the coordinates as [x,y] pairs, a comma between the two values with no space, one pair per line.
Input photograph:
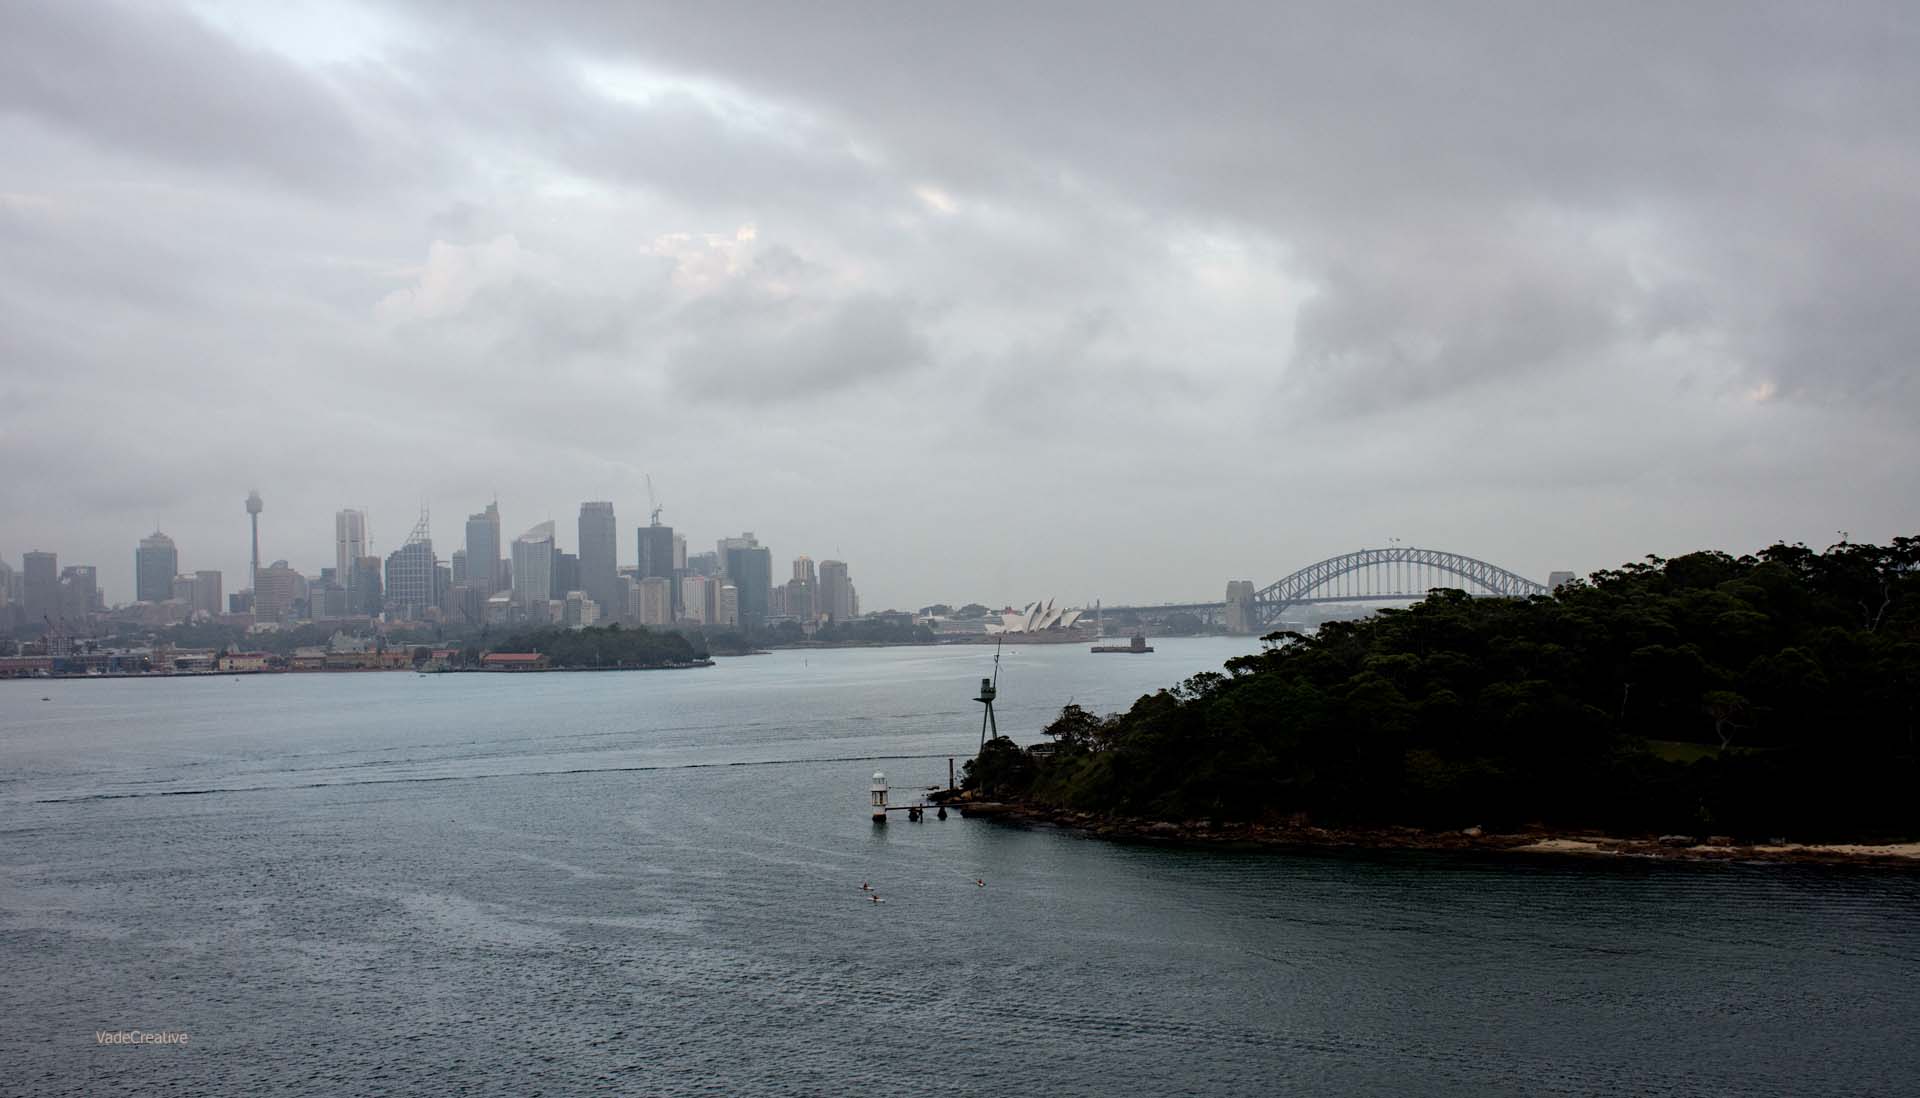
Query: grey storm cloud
[1555,285]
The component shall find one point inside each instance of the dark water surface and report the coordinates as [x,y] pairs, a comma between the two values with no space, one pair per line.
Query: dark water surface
[648,883]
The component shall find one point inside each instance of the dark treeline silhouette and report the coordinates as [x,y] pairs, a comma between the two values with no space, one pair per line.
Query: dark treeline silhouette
[610,646]
[1763,695]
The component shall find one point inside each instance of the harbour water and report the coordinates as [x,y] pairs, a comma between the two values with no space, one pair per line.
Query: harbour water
[649,883]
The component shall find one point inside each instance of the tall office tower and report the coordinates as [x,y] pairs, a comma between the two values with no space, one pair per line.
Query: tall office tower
[79,591]
[800,602]
[656,551]
[726,605]
[275,589]
[803,569]
[7,599]
[206,591]
[533,566]
[703,564]
[483,551]
[459,563]
[727,545]
[40,586]
[183,591]
[155,564]
[834,597]
[254,507]
[777,601]
[566,574]
[658,545]
[349,541]
[656,601]
[679,552]
[364,596]
[578,609]
[750,566]
[412,573]
[694,599]
[599,558]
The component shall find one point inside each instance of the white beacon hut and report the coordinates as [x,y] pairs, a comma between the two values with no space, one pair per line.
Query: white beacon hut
[879,797]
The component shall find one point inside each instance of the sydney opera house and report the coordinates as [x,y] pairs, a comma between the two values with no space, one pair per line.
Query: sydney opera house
[1037,622]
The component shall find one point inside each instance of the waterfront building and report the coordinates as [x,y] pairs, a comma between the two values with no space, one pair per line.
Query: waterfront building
[483,551]
[835,599]
[349,541]
[40,586]
[599,553]
[155,563]
[533,565]
[726,604]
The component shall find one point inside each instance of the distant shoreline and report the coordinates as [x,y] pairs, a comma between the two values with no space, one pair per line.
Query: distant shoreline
[1580,844]
[687,666]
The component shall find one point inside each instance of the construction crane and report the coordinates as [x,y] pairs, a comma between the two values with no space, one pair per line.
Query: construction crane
[654,516]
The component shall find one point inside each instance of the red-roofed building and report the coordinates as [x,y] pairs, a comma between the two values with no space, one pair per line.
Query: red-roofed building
[514,661]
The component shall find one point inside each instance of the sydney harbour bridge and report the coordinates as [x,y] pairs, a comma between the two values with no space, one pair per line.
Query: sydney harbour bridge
[1399,573]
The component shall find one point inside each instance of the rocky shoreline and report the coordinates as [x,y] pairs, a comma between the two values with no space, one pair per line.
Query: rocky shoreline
[1532,841]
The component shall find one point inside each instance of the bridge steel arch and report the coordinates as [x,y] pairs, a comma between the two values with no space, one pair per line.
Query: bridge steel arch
[1272,600]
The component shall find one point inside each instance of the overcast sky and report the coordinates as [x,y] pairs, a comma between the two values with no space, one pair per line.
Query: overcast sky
[994,302]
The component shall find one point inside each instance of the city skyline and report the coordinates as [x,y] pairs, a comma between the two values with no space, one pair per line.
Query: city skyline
[892,311]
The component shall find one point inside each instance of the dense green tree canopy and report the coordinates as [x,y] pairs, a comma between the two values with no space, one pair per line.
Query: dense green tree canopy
[1759,695]
[611,646]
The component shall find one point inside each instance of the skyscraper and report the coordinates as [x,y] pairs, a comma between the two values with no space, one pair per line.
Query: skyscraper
[533,566]
[40,586]
[656,551]
[79,591]
[599,550]
[835,594]
[483,551]
[656,560]
[364,596]
[155,564]
[206,592]
[275,589]
[750,567]
[349,541]
[412,573]
[566,574]
[695,599]
[656,601]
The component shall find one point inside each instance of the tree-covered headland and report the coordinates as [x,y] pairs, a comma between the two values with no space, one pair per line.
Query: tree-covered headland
[608,646]
[1771,694]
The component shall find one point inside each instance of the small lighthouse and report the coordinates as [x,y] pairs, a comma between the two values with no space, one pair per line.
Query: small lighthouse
[879,797]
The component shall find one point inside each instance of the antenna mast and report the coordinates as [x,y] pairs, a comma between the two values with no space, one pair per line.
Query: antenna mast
[990,689]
